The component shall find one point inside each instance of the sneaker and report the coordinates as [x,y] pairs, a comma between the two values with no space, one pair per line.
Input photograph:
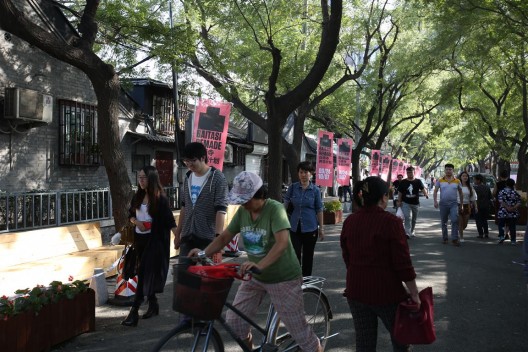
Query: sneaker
[501,239]
[486,235]
[456,243]
[445,241]
[514,243]
[480,236]
[413,234]
[461,240]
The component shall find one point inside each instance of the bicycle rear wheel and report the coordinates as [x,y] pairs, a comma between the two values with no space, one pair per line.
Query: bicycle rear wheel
[317,313]
[182,339]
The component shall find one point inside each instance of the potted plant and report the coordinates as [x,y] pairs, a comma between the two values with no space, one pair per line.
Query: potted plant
[38,318]
[332,212]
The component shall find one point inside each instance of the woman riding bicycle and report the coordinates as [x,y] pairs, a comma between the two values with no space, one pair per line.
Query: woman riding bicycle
[264,228]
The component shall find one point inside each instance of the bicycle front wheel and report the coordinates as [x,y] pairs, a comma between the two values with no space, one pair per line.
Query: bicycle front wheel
[317,314]
[190,339]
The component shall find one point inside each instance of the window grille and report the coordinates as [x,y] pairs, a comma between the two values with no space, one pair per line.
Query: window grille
[78,134]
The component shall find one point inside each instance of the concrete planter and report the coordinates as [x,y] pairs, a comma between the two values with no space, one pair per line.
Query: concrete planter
[333,217]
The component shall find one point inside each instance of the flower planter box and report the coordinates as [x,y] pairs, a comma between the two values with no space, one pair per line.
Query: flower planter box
[54,323]
[332,217]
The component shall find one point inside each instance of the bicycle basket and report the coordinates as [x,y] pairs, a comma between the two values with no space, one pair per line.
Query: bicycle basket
[199,296]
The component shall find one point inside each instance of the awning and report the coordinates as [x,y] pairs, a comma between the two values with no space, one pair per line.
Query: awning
[151,138]
[239,144]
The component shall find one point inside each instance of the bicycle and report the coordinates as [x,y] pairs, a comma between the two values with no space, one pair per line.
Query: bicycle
[201,334]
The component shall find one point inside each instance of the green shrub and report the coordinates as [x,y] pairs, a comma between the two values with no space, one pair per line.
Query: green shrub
[332,206]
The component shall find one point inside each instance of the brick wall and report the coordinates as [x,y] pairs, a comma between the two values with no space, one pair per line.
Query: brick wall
[29,157]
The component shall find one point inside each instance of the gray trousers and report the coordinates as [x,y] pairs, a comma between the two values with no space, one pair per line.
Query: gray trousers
[410,211]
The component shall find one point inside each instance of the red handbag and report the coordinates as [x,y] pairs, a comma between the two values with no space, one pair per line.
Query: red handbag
[412,327]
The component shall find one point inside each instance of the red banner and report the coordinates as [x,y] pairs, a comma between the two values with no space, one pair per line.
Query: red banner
[375,161]
[211,121]
[344,156]
[385,164]
[325,159]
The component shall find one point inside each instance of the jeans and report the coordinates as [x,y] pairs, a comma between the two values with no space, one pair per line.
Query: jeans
[408,211]
[481,220]
[449,211]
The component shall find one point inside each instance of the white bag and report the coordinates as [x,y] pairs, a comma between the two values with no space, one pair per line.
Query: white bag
[399,213]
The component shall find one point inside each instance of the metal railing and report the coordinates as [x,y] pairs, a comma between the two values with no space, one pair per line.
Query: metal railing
[32,210]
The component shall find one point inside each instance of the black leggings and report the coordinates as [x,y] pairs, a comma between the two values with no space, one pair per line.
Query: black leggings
[304,245]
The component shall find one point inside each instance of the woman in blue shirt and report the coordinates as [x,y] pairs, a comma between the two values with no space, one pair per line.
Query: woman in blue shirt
[306,219]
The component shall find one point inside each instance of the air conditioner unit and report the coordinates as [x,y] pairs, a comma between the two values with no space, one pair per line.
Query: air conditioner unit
[27,105]
[228,154]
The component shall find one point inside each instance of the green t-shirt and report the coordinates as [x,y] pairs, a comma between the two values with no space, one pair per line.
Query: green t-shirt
[258,238]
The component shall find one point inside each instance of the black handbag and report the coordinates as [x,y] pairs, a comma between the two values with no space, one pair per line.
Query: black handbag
[130,262]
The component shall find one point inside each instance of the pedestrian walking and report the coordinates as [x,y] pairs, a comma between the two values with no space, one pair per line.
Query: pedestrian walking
[484,199]
[394,192]
[204,205]
[153,218]
[306,218]
[449,187]
[465,205]
[263,226]
[409,200]
[499,186]
[204,201]
[376,255]
[509,203]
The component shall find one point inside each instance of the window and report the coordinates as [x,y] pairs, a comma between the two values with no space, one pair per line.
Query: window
[78,141]
[139,161]
[162,111]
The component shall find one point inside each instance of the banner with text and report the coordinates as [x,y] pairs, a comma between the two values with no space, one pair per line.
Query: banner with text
[211,121]
[325,159]
[385,165]
[344,156]
[374,162]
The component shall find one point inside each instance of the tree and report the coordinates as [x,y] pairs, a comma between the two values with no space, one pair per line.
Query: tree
[282,87]
[104,79]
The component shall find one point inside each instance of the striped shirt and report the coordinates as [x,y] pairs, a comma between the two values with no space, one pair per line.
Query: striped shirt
[448,190]
[200,218]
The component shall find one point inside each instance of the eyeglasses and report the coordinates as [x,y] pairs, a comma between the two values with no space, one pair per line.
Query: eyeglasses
[190,161]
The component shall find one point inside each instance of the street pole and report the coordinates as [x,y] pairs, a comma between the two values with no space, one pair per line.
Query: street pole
[175,98]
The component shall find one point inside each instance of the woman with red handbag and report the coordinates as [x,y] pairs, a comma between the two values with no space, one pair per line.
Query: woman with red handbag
[377,259]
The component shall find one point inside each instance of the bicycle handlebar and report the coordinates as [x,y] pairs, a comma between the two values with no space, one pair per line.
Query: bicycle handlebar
[204,260]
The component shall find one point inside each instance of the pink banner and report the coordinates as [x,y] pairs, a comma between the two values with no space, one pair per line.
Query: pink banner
[325,159]
[375,162]
[401,169]
[344,156]
[395,168]
[385,164]
[211,121]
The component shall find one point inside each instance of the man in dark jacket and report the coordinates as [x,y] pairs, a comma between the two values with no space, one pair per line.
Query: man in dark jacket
[484,199]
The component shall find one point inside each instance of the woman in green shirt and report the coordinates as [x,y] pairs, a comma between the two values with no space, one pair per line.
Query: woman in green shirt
[264,228]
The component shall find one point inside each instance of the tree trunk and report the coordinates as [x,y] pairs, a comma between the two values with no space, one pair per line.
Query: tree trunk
[107,91]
